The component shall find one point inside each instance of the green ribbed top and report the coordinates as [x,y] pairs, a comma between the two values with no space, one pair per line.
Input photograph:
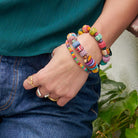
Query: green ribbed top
[33,27]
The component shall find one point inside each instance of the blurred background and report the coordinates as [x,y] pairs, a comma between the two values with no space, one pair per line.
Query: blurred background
[124,60]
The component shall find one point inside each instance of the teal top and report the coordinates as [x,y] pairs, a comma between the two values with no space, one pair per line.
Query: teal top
[33,27]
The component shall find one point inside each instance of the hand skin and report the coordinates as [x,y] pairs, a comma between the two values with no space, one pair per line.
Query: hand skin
[62,78]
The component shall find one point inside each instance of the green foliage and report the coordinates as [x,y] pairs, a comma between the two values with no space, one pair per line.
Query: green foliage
[117,110]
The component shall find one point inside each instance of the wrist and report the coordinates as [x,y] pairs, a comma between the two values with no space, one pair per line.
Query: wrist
[91,46]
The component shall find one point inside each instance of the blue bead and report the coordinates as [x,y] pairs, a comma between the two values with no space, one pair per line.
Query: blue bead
[100,41]
[76,44]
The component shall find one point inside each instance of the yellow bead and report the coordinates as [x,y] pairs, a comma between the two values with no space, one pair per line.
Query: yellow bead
[89,58]
[95,70]
[80,32]
[93,31]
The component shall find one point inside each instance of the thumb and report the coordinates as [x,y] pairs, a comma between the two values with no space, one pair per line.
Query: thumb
[31,82]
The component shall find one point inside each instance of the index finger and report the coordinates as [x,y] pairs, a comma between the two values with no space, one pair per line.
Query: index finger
[31,82]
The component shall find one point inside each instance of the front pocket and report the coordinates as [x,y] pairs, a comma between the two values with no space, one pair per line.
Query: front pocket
[8,83]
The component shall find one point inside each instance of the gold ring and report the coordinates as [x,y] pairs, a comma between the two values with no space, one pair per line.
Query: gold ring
[54,100]
[30,82]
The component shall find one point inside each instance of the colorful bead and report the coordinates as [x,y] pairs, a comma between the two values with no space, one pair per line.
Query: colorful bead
[86,28]
[102,62]
[71,34]
[92,31]
[104,52]
[100,41]
[90,62]
[83,53]
[96,34]
[79,48]
[98,37]
[102,45]
[95,70]
[76,44]
[94,67]
[106,59]
[80,31]
[72,38]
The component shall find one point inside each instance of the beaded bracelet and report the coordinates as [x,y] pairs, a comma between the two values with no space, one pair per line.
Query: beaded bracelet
[75,58]
[88,60]
[106,52]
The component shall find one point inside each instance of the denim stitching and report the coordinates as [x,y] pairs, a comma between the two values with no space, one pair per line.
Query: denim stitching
[12,95]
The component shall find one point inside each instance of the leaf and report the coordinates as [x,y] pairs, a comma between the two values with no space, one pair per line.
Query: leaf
[132,132]
[114,109]
[136,125]
[111,85]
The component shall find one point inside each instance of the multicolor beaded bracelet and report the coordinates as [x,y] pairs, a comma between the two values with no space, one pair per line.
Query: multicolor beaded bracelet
[106,52]
[88,60]
[75,58]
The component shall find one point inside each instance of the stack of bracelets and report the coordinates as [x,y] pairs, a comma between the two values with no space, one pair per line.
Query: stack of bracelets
[90,64]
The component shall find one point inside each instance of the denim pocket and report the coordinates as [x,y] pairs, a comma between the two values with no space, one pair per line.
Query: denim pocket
[8,83]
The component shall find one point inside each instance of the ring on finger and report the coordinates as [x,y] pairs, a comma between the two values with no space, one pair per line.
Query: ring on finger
[52,99]
[30,81]
[46,95]
[38,92]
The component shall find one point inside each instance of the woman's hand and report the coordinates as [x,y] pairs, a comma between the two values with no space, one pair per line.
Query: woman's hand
[61,78]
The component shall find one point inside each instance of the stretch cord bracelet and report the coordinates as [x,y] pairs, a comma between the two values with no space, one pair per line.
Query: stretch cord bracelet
[88,60]
[106,52]
[75,58]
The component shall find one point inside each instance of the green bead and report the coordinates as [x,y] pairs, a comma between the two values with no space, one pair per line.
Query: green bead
[77,61]
[98,37]
[102,62]
[75,58]
[73,40]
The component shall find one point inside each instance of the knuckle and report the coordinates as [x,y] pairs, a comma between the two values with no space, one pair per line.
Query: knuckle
[49,88]
[69,96]
[58,92]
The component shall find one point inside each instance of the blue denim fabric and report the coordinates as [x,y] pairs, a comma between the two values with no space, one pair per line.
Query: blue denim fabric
[24,115]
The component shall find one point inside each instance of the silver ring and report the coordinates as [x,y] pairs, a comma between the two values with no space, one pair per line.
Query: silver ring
[46,95]
[38,92]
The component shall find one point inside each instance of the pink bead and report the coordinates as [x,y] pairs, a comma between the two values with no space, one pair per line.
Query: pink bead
[106,59]
[71,38]
[102,45]
[83,53]
[86,28]
[96,34]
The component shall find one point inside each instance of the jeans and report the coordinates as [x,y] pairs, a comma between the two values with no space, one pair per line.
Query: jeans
[24,115]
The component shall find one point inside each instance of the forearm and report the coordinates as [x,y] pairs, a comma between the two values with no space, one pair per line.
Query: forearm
[116,16]
[114,19]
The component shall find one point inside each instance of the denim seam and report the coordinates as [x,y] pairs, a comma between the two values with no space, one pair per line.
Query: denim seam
[13,92]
